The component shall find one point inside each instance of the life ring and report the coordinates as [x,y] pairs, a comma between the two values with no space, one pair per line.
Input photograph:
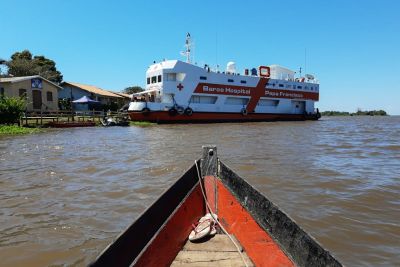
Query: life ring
[172,111]
[180,110]
[188,111]
[146,111]
[244,111]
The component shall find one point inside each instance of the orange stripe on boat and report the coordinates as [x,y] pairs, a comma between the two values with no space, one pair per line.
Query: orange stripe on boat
[173,235]
[256,94]
[258,244]
[260,90]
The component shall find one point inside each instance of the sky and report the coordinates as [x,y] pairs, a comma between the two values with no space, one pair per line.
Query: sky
[352,47]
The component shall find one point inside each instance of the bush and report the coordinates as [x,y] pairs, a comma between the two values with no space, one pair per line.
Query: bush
[11,109]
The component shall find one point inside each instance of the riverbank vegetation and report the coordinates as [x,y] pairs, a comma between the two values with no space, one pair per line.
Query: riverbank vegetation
[15,129]
[141,123]
[358,113]
[11,109]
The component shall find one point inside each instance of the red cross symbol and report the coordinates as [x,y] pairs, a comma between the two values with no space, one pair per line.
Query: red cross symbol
[179,86]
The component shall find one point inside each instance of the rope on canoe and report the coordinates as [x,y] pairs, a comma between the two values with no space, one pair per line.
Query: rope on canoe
[216,220]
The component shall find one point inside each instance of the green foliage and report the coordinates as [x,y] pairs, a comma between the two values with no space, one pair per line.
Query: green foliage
[141,123]
[11,109]
[335,113]
[371,113]
[13,129]
[22,64]
[22,55]
[64,104]
[133,89]
[359,112]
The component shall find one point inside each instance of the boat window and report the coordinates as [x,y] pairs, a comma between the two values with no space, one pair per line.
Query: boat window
[280,85]
[268,102]
[203,78]
[306,87]
[230,80]
[243,81]
[180,76]
[236,101]
[294,86]
[154,79]
[299,87]
[203,99]
[170,77]
[148,80]
[312,88]
[159,78]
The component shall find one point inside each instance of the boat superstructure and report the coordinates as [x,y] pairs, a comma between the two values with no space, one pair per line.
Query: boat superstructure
[178,91]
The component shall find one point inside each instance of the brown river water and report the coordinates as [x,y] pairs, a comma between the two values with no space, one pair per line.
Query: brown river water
[65,194]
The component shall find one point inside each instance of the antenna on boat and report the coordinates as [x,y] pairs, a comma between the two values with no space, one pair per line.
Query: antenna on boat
[216,51]
[188,46]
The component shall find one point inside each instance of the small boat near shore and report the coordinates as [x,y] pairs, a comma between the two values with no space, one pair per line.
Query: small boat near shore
[250,230]
[107,122]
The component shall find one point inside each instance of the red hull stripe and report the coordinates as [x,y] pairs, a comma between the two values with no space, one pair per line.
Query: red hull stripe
[170,239]
[165,117]
[257,93]
[234,90]
[258,244]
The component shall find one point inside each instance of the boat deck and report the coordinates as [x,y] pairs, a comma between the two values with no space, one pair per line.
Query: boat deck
[216,251]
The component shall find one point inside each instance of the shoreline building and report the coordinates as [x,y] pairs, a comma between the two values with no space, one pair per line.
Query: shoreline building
[40,93]
[107,99]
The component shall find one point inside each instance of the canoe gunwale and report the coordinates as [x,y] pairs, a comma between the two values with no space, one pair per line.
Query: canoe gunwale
[130,246]
[298,245]
[130,243]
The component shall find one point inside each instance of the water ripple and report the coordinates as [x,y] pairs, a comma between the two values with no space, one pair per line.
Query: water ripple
[65,194]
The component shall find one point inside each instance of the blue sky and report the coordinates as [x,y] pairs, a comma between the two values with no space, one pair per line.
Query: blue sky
[353,47]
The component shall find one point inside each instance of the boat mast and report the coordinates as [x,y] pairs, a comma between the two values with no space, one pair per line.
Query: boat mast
[188,46]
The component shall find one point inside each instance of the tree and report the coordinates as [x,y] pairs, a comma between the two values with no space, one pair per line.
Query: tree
[133,89]
[22,64]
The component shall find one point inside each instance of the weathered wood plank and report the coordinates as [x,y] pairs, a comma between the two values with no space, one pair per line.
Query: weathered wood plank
[216,251]
[209,258]
[217,243]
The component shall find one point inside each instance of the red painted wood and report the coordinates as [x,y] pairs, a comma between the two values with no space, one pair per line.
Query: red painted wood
[163,116]
[258,244]
[169,241]
[71,124]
